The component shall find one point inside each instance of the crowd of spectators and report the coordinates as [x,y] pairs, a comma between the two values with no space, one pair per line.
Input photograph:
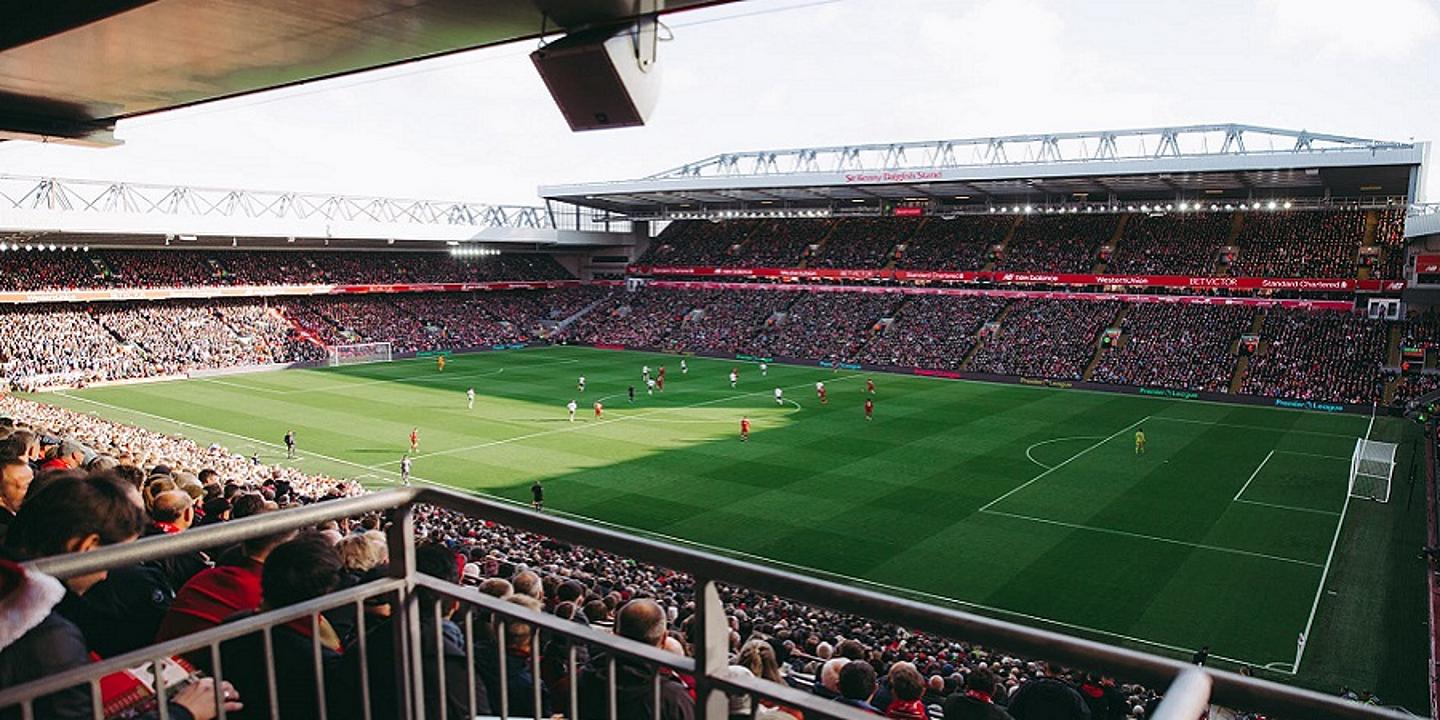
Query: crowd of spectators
[1057,243]
[1045,338]
[781,243]
[1317,355]
[964,243]
[35,271]
[48,344]
[1390,237]
[932,331]
[1170,244]
[1323,244]
[698,242]
[1176,345]
[826,325]
[867,243]
[104,483]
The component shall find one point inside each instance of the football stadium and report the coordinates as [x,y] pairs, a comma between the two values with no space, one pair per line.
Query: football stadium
[1125,423]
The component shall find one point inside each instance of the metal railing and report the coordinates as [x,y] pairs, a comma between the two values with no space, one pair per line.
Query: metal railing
[416,597]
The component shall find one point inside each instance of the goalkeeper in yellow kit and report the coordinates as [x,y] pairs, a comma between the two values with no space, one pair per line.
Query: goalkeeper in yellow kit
[1139,441]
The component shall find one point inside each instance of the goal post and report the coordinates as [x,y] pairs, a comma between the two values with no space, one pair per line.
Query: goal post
[1372,466]
[360,353]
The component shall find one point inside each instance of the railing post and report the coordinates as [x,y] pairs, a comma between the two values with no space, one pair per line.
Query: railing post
[1187,698]
[409,671]
[712,650]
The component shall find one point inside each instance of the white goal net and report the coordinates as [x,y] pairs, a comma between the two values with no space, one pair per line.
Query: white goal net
[360,353]
[1372,465]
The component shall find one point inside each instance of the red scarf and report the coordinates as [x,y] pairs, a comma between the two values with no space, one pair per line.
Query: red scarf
[167,528]
[982,697]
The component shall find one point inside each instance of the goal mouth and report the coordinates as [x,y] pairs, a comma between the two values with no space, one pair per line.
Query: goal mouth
[360,353]
[1372,467]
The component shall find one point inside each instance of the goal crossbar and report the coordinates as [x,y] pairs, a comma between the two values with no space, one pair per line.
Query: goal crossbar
[1372,468]
[359,353]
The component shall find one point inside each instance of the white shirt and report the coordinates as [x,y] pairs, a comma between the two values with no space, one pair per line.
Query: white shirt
[779,393]
[571,406]
[732,377]
[651,383]
[763,367]
[582,379]
[470,393]
[819,386]
[645,370]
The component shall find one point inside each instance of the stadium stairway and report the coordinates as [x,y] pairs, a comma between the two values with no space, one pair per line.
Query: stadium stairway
[819,246]
[1099,355]
[582,312]
[1372,221]
[1237,378]
[999,318]
[1000,249]
[1108,248]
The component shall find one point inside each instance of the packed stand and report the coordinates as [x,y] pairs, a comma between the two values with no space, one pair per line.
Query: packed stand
[1171,244]
[698,242]
[781,243]
[964,243]
[864,243]
[1058,244]
[826,325]
[729,320]
[1045,338]
[1315,355]
[38,271]
[935,332]
[1312,244]
[640,319]
[1390,236]
[1176,345]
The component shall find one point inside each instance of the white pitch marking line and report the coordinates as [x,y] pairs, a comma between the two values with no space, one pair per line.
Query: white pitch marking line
[1067,461]
[597,423]
[226,433]
[1320,590]
[1251,479]
[1053,440]
[1156,538]
[1255,427]
[1314,455]
[1289,507]
[894,589]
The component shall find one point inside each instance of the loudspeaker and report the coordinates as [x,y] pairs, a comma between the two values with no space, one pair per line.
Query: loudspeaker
[602,78]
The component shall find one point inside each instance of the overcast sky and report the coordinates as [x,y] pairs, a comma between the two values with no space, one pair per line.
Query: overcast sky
[792,73]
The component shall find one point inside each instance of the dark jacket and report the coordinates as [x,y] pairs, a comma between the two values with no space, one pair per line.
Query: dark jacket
[122,612]
[633,692]
[963,707]
[520,680]
[381,660]
[53,646]
[1048,699]
[243,664]
[180,568]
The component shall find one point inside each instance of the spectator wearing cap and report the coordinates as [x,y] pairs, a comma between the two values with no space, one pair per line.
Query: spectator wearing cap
[1047,697]
[68,455]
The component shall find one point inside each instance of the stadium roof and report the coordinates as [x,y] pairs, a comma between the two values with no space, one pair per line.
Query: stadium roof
[70,70]
[1198,162]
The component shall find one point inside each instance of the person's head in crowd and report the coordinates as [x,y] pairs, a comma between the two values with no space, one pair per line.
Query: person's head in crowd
[173,508]
[830,674]
[526,582]
[517,633]
[23,444]
[596,611]
[68,455]
[641,620]
[208,477]
[759,656]
[102,463]
[298,570]
[130,474]
[570,591]
[470,575]
[496,587]
[15,478]
[217,509]
[906,681]
[981,680]
[437,561]
[857,681]
[851,650]
[246,504]
[75,513]
[156,485]
[359,554]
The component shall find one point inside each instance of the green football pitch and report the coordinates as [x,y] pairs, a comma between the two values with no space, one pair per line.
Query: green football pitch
[1232,530]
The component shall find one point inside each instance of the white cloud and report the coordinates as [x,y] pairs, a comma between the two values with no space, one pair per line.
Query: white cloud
[1359,31]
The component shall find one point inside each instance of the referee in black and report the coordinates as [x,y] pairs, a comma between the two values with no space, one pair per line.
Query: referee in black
[537,497]
[290,444]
